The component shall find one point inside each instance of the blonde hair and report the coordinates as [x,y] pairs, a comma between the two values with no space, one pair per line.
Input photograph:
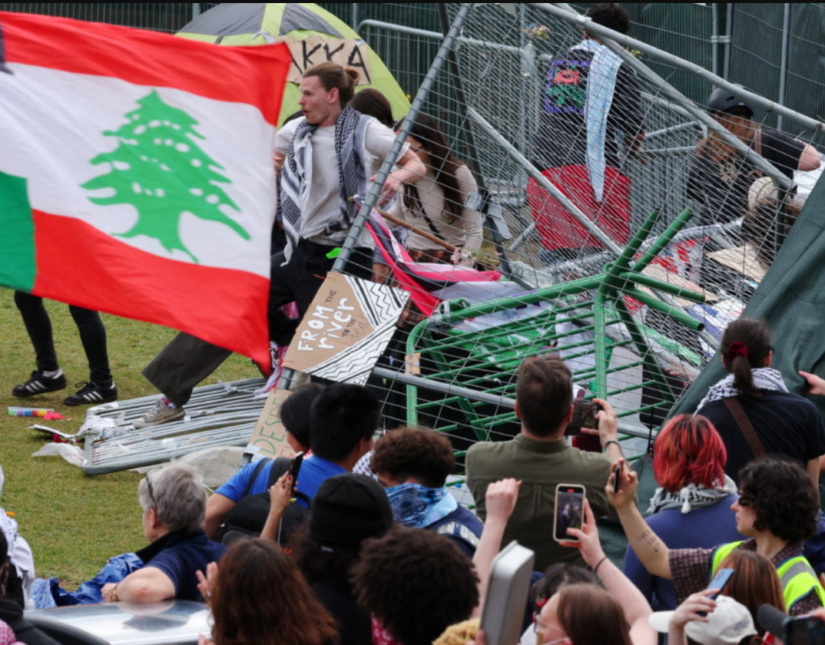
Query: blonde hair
[333,76]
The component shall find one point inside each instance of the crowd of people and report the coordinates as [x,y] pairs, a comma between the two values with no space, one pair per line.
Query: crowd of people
[365,542]
[369,545]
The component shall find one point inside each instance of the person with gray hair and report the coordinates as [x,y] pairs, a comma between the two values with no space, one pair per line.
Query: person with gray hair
[174,507]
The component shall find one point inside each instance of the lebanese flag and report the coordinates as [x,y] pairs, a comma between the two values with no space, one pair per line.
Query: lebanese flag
[136,174]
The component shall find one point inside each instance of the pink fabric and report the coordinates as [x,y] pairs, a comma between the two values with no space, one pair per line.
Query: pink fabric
[559,230]
[397,258]
[380,635]
[7,636]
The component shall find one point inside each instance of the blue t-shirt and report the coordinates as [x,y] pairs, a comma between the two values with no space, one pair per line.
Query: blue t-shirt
[702,528]
[182,558]
[314,472]
[462,527]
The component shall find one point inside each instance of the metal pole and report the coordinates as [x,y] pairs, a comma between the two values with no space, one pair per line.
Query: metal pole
[783,65]
[545,183]
[444,388]
[715,38]
[458,87]
[626,41]
[728,40]
[645,72]
[398,144]
[196,9]
[355,14]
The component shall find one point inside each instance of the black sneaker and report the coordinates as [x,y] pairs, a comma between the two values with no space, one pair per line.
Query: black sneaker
[92,393]
[39,384]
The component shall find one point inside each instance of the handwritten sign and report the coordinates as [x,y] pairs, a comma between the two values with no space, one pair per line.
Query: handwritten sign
[269,437]
[346,329]
[314,50]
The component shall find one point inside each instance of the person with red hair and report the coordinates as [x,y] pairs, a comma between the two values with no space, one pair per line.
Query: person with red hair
[692,506]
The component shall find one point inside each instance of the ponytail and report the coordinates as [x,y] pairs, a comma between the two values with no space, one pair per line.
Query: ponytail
[746,344]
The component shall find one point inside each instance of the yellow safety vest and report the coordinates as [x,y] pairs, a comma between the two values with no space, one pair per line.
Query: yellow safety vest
[796,574]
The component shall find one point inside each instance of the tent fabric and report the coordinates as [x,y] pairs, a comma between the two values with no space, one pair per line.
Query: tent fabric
[295,16]
[791,298]
[228,19]
[244,24]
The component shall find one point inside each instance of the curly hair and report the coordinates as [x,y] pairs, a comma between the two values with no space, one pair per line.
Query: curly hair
[257,580]
[688,450]
[426,455]
[610,15]
[416,583]
[782,498]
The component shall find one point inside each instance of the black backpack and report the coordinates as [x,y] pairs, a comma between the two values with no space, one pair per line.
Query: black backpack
[248,517]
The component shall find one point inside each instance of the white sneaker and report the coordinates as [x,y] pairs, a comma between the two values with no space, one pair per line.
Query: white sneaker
[159,414]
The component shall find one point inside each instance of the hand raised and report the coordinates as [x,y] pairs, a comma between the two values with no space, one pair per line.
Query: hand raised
[627,490]
[588,538]
[501,498]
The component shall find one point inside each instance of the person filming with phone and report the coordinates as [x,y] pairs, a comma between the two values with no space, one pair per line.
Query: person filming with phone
[541,458]
[777,510]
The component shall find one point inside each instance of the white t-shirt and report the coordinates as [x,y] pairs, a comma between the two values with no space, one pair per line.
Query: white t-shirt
[466,231]
[322,203]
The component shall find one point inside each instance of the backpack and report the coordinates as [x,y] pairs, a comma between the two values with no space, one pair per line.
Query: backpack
[248,517]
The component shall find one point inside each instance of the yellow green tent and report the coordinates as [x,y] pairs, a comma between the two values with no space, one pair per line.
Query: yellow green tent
[262,23]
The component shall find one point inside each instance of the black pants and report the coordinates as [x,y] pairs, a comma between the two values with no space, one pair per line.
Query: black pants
[187,360]
[89,324]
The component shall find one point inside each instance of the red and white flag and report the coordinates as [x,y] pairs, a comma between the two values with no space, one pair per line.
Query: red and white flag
[136,174]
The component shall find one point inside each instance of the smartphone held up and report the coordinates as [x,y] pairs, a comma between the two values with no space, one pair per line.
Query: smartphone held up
[569,511]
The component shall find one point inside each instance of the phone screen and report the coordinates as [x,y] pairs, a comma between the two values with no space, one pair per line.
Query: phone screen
[617,478]
[295,468]
[569,510]
[584,415]
[720,580]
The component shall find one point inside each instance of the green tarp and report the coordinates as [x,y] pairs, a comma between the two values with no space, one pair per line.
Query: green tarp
[791,299]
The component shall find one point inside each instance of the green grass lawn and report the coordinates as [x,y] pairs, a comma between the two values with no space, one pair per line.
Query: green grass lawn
[74,522]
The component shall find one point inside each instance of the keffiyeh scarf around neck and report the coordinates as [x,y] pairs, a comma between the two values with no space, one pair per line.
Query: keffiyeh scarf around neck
[601,88]
[691,497]
[296,176]
[764,378]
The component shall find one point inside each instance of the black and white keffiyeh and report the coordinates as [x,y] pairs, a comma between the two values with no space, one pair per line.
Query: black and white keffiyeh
[764,378]
[691,496]
[296,176]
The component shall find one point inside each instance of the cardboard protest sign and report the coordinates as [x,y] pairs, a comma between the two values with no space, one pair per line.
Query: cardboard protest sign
[314,50]
[346,329]
[269,437]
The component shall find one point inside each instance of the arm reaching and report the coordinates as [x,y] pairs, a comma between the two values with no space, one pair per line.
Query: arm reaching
[410,170]
[651,551]
[608,430]
[816,384]
[501,500]
[636,608]
[687,612]
[279,495]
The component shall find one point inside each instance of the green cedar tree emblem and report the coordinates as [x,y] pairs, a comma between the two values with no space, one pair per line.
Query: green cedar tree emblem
[160,170]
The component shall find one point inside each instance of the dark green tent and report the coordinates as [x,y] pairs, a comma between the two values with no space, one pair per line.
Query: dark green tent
[791,299]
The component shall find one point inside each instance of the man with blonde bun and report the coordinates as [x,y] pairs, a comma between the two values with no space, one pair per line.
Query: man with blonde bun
[325,158]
